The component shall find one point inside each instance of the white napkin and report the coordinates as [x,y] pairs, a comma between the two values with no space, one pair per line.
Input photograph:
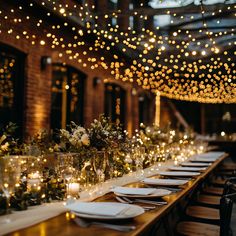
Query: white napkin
[165,181]
[134,191]
[200,164]
[98,208]
[203,159]
[178,173]
[181,168]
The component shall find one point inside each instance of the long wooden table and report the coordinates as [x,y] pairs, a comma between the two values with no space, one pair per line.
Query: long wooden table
[146,223]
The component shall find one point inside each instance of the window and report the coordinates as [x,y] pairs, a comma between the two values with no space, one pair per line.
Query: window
[131,22]
[67,96]
[115,103]
[11,87]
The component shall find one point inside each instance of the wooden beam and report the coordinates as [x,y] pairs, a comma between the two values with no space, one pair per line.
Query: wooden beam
[189,9]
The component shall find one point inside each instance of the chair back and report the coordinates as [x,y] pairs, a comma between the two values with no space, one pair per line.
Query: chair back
[226,206]
[230,186]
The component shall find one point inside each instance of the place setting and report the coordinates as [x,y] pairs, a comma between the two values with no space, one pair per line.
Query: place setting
[104,214]
[149,196]
[208,157]
[186,168]
[179,174]
[195,164]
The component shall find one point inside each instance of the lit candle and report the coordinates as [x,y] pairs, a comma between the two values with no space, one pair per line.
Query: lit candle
[34,181]
[73,189]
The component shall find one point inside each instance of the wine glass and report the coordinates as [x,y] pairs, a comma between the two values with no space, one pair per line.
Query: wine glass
[99,165]
[9,178]
[65,169]
[139,155]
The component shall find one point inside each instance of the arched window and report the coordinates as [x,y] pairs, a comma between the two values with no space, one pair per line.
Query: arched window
[115,103]
[67,96]
[11,87]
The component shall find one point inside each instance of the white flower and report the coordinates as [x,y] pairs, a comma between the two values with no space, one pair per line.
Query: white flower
[5,146]
[73,141]
[85,140]
[78,132]
[65,133]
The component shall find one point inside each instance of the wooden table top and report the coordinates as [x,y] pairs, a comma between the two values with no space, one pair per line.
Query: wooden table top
[63,225]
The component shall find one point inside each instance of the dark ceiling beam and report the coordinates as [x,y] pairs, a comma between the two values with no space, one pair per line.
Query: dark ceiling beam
[203,19]
[189,9]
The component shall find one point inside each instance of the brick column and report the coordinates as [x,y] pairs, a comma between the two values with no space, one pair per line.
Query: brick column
[101,6]
[123,21]
[93,99]
[135,112]
[128,105]
[98,98]
[37,94]
[138,22]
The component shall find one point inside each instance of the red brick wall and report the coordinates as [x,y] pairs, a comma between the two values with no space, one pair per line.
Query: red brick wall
[38,81]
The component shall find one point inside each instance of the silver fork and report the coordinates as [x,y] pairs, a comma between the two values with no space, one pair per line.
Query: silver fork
[122,200]
[155,203]
[85,224]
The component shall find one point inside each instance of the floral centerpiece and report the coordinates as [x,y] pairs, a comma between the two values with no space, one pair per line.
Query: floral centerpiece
[105,135]
[8,144]
[42,143]
[74,140]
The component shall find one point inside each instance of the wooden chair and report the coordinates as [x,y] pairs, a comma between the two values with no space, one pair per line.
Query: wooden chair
[214,201]
[191,228]
[211,214]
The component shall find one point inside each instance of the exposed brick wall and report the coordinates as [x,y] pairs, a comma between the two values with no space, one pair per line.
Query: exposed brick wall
[38,81]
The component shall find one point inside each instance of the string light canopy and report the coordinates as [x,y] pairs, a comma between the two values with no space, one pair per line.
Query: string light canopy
[185,50]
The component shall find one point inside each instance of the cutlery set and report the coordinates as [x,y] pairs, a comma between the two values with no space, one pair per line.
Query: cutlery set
[85,224]
[133,201]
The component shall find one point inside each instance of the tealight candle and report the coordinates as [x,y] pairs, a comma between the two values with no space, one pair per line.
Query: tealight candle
[73,189]
[34,181]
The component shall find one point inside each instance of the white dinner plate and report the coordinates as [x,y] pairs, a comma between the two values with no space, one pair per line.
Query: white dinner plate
[203,159]
[179,173]
[165,182]
[191,169]
[130,212]
[195,164]
[155,194]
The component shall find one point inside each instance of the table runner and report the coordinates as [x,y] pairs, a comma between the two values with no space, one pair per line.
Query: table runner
[37,214]
[31,216]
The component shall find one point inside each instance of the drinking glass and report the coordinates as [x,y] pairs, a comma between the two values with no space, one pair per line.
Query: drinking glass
[9,178]
[70,175]
[100,162]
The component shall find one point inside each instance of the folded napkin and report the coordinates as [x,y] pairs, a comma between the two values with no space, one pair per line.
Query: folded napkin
[199,164]
[178,173]
[181,168]
[134,191]
[165,181]
[203,159]
[98,208]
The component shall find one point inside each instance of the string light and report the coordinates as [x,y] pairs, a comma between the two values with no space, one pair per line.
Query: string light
[208,77]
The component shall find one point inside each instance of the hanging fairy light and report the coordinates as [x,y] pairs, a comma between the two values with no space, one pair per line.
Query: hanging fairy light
[198,69]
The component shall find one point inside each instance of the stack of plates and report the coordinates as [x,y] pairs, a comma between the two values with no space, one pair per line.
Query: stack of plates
[165,182]
[179,173]
[140,192]
[191,169]
[207,157]
[195,164]
[105,210]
